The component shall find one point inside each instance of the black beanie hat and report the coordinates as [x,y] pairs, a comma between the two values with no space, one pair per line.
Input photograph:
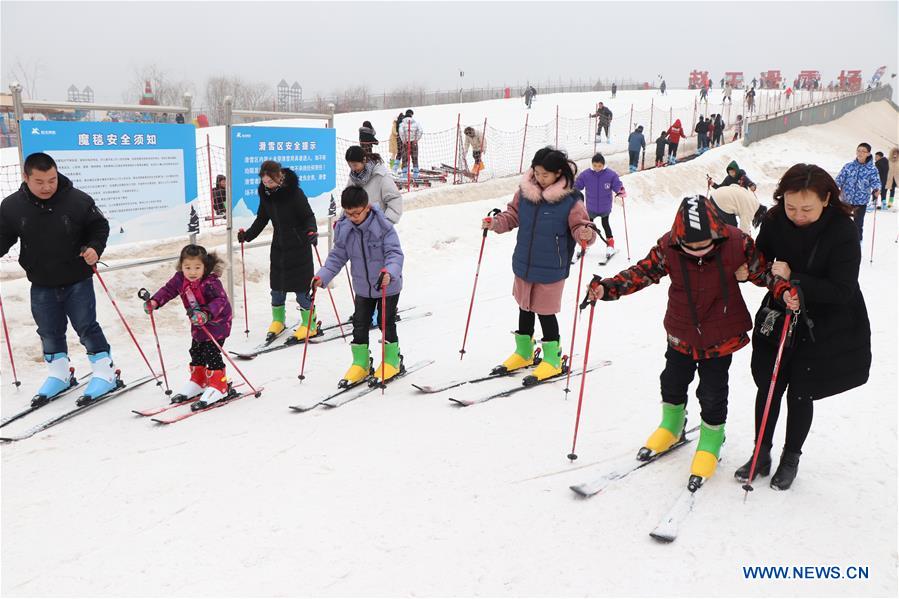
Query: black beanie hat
[695,215]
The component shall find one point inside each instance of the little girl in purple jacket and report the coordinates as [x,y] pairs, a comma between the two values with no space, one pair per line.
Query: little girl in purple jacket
[197,283]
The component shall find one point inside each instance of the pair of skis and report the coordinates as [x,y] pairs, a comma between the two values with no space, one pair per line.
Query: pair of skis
[121,387]
[233,395]
[668,526]
[359,389]
[511,390]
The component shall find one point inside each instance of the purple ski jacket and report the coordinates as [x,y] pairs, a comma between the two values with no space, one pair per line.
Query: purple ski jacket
[600,186]
[210,294]
[368,247]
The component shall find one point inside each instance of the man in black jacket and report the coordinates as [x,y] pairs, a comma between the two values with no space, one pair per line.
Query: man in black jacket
[882,164]
[62,235]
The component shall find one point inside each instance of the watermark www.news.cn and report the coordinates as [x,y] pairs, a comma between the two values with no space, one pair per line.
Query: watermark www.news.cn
[805,573]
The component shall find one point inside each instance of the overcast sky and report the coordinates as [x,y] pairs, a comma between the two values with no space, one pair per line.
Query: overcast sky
[333,45]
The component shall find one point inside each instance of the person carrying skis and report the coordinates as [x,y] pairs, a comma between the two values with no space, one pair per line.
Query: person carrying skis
[282,202]
[810,239]
[551,219]
[62,234]
[735,176]
[366,239]
[661,143]
[197,282]
[600,183]
[675,132]
[635,143]
[474,139]
[706,320]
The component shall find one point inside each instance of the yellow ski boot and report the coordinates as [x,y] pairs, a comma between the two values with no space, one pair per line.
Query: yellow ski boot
[522,358]
[705,460]
[550,364]
[300,334]
[674,417]
[277,326]
[360,368]
[392,364]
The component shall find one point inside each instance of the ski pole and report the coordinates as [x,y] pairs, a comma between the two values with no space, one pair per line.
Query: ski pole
[256,392]
[331,295]
[477,272]
[577,420]
[125,322]
[580,276]
[627,241]
[383,327]
[15,377]
[243,270]
[349,280]
[306,343]
[758,442]
[873,231]
[145,296]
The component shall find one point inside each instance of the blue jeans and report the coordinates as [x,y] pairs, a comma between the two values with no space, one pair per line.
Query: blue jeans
[279,298]
[50,306]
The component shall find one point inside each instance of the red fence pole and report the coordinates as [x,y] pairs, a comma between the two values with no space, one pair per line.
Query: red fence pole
[456,178]
[523,141]
[211,184]
[557,125]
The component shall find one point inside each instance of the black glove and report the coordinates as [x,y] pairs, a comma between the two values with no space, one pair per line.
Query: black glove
[759,216]
[241,236]
[313,237]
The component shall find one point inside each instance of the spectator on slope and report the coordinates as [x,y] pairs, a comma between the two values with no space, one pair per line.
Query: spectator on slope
[367,137]
[809,239]
[719,131]
[750,100]
[883,169]
[733,202]
[702,135]
[220,195]
[892,175]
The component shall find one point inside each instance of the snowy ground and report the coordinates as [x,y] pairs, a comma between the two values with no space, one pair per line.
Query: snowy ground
[406,495]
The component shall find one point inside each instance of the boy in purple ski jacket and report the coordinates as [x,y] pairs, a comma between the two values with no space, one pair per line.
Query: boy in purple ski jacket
[368,241]
[600,183]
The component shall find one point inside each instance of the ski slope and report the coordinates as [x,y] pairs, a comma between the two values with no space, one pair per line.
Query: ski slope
[405,494]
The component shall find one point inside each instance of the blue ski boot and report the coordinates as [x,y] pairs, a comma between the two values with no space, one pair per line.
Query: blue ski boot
[103,381]
[59,378]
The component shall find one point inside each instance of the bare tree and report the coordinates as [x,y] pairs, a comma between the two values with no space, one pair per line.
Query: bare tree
[27,74]
[247,96]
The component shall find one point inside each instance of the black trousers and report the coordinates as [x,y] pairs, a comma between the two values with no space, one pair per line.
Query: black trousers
[548,322]
[712,391]
[604,219]
[799,412]
[633,157]
[365,308]
[205,353]
[858,215]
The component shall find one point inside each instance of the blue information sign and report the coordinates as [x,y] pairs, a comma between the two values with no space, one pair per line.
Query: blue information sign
[310,153]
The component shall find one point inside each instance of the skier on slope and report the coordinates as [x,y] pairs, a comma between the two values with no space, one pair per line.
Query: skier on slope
[410,133]
[857,181]
[706,320]
[197,282]
[282,202]
[529,94]
[551,220]
[599,183]
[366,239]
[62,234]
[675,133]
[474,139]
[735,176]
[603,121]
[663,87]
[635,143]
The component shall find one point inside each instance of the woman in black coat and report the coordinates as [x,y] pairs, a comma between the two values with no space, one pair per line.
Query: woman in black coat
[282,202]
[810,238]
